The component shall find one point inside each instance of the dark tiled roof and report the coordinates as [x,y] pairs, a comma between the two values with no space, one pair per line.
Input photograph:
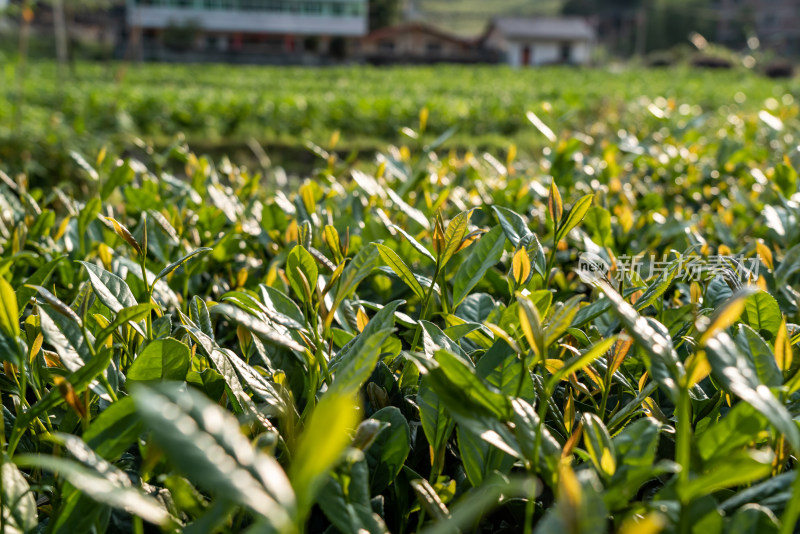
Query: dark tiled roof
[544,28]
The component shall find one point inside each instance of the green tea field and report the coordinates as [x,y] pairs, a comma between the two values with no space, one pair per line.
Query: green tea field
[553,301]
[220,109]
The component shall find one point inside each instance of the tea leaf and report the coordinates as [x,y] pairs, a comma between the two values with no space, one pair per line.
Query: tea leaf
[161,359]
[324,439]
[484,255]
[574,217]
[204,442]
[166,271]
[397,265]
[125,234]
[9,313]
[727,364]
[100,488]
[554,204]
[453,236]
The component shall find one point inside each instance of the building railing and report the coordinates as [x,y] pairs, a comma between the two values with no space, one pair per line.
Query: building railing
[328,8]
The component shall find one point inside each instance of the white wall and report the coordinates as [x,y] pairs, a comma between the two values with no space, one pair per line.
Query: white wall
[546,52]
[246,21]
[581,53]
[514,54]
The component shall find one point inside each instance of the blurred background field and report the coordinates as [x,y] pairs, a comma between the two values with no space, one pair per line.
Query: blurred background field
[224,109]
[397,211]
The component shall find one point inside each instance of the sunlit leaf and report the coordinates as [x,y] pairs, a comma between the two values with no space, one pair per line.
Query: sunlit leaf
[203,441]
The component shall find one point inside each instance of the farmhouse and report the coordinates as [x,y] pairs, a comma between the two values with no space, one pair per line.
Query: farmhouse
[416,42]
[324,31]
[541,40]
[281,31]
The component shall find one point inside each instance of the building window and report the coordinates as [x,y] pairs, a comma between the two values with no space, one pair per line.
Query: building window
[565,53]
[386,46]
[274,44]
[312,8]
[526,55]
[433,48]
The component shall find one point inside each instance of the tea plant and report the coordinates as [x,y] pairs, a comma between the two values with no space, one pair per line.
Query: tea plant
[424,346]
[224,108]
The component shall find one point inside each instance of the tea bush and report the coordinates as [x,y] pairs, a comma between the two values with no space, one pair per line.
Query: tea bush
[597,340]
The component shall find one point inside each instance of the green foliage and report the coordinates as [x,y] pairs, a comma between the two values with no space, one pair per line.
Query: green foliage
[412,344]
[225,110]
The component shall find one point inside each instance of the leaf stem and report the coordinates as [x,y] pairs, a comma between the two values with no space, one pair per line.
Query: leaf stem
[149,288]
[443,292]
[529,508]
[424,311]
[2,432]
[106,384]
[318,341]
[537,445]
[683,442]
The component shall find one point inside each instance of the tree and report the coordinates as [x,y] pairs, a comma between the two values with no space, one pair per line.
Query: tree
[383,13]
[639,26]
[599,7]
[670,22]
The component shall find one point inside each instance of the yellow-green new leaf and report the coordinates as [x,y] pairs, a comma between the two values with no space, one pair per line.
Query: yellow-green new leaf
[554,204]
[726,315]
[521,267]
[576,363]
[125,234]
[322,444]
[331,237]
[9,312]
[598,445]
[560,319]
[783,348]
[399,268]
[531,325]
[453,236]
[574,217]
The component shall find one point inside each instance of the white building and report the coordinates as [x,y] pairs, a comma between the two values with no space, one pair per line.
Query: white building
[267,27]
[542,40]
